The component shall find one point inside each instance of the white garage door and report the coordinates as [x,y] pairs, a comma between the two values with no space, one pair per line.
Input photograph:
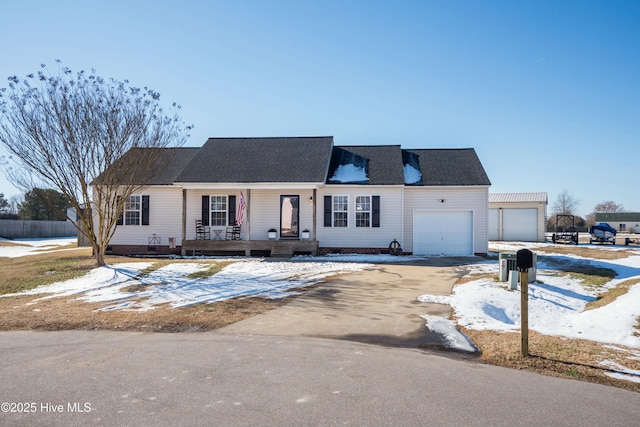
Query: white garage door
[443,233]
[520,225]
[494,224]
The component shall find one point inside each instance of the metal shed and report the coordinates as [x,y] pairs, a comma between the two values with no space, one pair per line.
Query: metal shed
[517,216]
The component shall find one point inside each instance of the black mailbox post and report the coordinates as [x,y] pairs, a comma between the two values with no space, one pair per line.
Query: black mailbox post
[524,261]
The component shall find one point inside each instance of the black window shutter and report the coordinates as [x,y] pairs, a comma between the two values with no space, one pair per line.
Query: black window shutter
[375,211]
[232,210]
[145,210]
[327,211]
[121,214]
[205,210]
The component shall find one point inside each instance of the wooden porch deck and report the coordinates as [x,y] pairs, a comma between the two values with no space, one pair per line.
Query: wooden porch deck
[277,248]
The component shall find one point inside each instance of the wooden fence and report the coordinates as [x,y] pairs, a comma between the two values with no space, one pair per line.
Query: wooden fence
[21,229]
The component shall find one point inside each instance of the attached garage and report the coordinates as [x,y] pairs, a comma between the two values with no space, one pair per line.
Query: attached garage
[517,217]
[443,233]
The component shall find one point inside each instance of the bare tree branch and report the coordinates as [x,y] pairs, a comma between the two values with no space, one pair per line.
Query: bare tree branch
[67,128]
[565,204]
[608,207]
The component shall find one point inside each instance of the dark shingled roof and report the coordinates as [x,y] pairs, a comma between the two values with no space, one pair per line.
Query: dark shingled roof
[291,159]
[168,163]
[171,163]
[304,160]
[451,167]
[385,163]
[617,216]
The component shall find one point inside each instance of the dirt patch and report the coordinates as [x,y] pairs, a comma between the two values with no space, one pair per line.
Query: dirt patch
[556,356]
[610,295]
[587,252]
[10,243]
[23,313]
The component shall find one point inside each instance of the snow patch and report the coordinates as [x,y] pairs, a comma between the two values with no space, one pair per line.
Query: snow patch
[451,336]
[349,173]
[411,175]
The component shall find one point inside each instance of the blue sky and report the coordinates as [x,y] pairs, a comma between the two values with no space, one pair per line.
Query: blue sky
[547,92]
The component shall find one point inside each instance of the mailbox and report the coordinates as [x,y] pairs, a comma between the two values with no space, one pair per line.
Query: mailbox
[524,260]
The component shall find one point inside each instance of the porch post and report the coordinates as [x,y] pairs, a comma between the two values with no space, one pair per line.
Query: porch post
[247,221]
[313,207]
[184,220]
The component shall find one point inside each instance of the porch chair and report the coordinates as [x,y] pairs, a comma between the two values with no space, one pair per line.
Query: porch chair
[233,233]
[203,232]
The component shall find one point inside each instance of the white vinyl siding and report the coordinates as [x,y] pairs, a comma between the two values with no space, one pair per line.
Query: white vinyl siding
[362,237]
[218,199]
[165,219]
[264,210]
[448,199]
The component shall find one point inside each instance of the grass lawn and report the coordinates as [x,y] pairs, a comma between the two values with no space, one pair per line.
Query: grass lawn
[28,272]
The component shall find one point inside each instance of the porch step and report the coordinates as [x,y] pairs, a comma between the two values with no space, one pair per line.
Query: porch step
[282,250]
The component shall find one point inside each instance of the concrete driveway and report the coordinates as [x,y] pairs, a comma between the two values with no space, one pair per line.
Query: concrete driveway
[376,306]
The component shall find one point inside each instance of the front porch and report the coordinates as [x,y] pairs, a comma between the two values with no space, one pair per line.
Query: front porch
[277,248]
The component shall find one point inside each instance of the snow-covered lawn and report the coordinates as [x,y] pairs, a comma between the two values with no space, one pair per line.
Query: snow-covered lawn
[21,247]
[556,301]
[126,288]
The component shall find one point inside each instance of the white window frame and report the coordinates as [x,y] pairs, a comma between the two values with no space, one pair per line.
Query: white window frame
[132,213]
[223,214]
[343,211]
[364,211]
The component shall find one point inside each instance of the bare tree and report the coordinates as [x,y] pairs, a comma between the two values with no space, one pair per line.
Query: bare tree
[67,128]
[565,204]
[15,201]
[608,207]
[4,205]
[603,207]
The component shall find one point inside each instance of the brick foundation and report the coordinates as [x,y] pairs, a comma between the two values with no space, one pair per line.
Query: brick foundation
[142,250]
[375,251]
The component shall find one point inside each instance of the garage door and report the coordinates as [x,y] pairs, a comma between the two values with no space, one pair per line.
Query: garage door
[443,233]
[494,224]
[520,225]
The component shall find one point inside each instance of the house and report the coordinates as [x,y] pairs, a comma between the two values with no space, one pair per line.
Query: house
[517,216]
[348,198]
[628,222]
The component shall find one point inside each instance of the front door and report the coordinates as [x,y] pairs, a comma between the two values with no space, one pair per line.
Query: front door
[289,217]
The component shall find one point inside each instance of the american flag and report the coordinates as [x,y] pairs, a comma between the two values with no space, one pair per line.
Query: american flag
[241,206]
